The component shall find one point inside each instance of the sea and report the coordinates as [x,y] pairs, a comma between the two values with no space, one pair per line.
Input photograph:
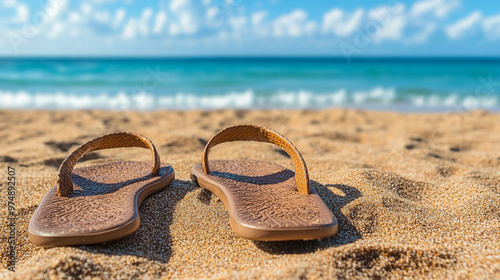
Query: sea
[408,84]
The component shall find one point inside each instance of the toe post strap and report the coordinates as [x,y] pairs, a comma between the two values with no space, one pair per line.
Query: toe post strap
[261,134]
[108,141]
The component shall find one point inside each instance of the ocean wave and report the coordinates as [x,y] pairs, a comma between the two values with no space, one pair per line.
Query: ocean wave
[248,99]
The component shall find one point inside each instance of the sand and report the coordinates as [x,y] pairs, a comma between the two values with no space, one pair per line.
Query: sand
[416,195]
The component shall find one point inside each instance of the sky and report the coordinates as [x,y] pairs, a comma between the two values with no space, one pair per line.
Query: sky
[249,28]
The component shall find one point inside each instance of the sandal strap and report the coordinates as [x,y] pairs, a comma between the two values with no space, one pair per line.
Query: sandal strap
[261,134]
[108,141]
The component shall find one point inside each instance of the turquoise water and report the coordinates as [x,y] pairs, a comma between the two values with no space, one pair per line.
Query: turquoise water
[408,84]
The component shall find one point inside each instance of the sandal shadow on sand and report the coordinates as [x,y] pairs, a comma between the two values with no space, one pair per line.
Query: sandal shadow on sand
[98,203]
[266,201]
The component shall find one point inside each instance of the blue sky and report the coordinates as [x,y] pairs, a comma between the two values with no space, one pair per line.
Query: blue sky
[244,27]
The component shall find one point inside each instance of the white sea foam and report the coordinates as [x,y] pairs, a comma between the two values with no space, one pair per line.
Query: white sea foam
[377,96]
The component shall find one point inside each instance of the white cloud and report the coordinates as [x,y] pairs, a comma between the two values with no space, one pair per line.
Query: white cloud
[57,28]
[74,17]
[422,36]
[73,24]
[129,29]
[463,26]
[238,24]
[103,1]
[174,29]
[178,5]
[337,22]
[440,8]
[491,27]
[138,26]
[55,7]
[102,17]
[187,23]
[258,17]
[161,20]
[294,24]
[144,21]
[387,25]
[212,12]
[86,8]
[119,17]
[310,27]
[202,21]
[9,3]
[147,13]
[185,18]
[391,31]
[23,13]
[260,27]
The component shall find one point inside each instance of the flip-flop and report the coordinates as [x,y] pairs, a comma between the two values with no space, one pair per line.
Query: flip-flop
[265,201]
[98,203]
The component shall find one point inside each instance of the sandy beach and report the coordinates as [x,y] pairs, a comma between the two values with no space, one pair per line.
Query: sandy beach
[416,195]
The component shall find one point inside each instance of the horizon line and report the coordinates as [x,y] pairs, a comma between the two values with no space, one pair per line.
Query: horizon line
[230,57]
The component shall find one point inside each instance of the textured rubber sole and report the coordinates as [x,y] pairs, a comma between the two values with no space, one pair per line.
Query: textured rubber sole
[263,202]
[103,207]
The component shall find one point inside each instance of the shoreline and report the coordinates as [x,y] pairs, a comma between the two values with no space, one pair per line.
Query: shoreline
[403,109]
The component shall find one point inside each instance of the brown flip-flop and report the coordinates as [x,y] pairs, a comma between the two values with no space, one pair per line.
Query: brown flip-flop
[98,203]
[265,201]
